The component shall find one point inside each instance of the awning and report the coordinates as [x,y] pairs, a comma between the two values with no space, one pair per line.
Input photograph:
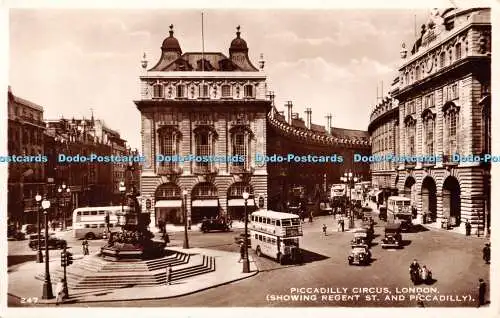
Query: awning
[240,202]
[205,203]
[168,204]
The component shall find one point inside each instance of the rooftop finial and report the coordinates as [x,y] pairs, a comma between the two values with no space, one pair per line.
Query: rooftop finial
[171,30]
[238,31]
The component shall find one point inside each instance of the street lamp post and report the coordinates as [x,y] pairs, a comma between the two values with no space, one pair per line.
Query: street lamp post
[68,192]
[246,262]
[186,240]
[47,284]
[122,189]
[349,179]
[39,257]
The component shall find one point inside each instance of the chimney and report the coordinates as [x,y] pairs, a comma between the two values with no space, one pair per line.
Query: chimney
[329,123]
[308,118]
[289,105]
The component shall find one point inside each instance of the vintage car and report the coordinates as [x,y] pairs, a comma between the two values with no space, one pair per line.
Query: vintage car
[361,237]
[360,255]
[214,225]
[392,237]
[53,242]
[382,214]
[13,233]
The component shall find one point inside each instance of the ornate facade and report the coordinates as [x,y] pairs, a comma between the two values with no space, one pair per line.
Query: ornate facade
[199,106]
[444,110]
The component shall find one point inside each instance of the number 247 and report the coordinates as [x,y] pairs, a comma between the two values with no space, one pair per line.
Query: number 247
[29,300]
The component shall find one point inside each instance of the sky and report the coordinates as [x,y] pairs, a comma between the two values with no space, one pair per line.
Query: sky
[73,60]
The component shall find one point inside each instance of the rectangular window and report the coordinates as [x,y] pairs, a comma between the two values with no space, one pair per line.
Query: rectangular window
[452,133]
[181,91]
[430,136]
[454,91]
[203,91]
[442,59]
[226,91]
[249,92]
[157,91]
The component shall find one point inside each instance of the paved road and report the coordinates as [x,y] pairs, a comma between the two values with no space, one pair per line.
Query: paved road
[455,261]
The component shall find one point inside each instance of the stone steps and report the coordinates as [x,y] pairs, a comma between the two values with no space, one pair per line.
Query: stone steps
[119,276]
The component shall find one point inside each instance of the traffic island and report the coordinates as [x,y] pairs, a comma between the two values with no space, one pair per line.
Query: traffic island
[194,270]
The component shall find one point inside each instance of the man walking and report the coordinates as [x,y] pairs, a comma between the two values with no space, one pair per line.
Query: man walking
[324,229]
[85,247]
[467,227]
[486,253]
[481,292]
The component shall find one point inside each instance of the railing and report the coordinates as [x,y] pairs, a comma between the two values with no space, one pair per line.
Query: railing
[169,169]
[209,168]
[32,121]
[240,169]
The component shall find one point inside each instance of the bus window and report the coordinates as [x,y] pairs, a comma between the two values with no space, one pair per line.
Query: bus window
[85,213]
[256,236]
[273,240]
[268,221]
[93,212]
[273,222]
[87,226]
[295,222]
[94,226]
[286,222]
[252,218]
[278,222]
[102,213]
[79,213]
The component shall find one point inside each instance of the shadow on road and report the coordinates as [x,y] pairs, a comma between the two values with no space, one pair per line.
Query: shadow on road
[19,259]
[405,242]
[309,256]
[416,228]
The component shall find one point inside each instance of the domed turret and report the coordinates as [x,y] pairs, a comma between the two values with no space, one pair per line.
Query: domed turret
[170,44]
[238,44]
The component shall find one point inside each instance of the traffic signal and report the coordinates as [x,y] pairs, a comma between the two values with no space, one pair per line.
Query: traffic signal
[69,258]
[63,259]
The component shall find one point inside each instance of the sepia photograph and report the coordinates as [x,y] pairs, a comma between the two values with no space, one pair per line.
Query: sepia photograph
[220,158]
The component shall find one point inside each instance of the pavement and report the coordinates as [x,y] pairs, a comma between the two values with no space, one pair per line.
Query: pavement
[22,282]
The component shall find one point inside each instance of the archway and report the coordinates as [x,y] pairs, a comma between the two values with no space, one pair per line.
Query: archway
[235,201]
[409,190]
[168,203]
[204,202]
[451,201]
[429,199]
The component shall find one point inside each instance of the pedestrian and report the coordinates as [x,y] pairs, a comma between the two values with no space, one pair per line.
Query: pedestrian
[60,291]
[342,224]
[168,275]
[242,252]
[85,247]
[467,228]
[324,229]
[486,253]
[481,292]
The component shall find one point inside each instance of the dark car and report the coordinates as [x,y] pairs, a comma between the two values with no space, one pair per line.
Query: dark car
[360,255]
[53,242]
[392,237]
[214,225]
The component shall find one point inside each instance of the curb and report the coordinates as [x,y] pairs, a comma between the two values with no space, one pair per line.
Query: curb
[52,301]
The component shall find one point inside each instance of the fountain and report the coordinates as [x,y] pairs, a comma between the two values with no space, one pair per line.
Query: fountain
[134,241]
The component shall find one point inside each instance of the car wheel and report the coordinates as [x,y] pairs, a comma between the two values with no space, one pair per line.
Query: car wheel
[90,236]
[258,252]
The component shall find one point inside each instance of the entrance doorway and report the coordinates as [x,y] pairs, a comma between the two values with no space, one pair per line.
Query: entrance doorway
[429,199]
[451,201]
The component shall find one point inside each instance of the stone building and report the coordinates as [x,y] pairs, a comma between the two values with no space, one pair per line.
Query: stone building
[211,107]
[25,138]
[384,137]
[444,110]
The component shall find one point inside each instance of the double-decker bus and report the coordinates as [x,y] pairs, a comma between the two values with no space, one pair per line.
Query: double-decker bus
[277,235]
[399,211]
[90,222]
[337,191]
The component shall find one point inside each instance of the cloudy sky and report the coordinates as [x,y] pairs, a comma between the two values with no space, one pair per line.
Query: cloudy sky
[71,61]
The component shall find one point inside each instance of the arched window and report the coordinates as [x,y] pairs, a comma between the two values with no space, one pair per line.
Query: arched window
[204,146]
[442,59]
[236,190]
[169,144]
[240,146]
[410,135]
[168,191]
[429,126]
[204,190]
[451,115]
[458,51]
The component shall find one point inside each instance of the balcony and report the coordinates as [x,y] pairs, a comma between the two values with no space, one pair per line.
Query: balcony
[241,169]
[169,169]
[205,169]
